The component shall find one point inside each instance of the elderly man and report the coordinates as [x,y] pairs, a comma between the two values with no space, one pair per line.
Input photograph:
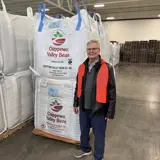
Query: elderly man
[94,100]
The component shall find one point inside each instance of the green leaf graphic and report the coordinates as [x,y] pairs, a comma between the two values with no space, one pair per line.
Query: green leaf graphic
[58,34]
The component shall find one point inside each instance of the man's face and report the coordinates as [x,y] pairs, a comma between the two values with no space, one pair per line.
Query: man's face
[93,51]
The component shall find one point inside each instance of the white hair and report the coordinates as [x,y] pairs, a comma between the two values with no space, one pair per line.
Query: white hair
[93,41]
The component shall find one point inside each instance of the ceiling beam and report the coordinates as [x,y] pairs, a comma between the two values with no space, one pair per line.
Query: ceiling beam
[60,7]
[129,15]
[69,5]
[112,2]
[130,9]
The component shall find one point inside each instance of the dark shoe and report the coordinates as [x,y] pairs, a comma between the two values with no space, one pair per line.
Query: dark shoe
[80,154]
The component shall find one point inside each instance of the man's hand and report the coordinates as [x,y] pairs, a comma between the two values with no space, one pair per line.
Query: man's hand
[108,120]
[76,110]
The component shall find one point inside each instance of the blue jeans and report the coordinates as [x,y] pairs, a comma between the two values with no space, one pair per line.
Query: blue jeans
[98,124]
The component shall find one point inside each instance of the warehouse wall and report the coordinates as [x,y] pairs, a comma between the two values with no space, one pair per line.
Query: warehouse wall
[133,30]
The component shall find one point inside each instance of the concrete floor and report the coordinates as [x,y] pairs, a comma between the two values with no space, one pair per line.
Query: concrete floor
[133,135]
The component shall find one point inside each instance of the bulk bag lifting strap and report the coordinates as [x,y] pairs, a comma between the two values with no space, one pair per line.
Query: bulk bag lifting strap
[41,10]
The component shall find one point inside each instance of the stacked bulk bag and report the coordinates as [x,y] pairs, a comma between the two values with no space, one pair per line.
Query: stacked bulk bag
[65,42]
[20,25]
[15,54]
[16,87]
[53,108]
[60,47]
[56,57]
[116,53]
[18,100]
[8,61]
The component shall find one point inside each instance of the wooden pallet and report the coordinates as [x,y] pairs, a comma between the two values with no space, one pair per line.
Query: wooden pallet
[10,132]
[48,135]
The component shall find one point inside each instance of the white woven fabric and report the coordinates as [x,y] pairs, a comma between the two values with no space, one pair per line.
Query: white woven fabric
[54,108]
[18,98]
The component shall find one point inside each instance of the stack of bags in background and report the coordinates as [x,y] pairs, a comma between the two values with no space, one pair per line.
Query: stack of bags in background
[141,51]
[16,92]
[60,47]
[116,53]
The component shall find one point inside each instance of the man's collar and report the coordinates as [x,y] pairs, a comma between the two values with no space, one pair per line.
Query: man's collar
[86,62]
[93,63]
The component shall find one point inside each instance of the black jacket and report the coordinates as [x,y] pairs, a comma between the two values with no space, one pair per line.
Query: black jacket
[107,109]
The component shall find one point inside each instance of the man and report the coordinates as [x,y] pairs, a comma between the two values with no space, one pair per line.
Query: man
[95,99]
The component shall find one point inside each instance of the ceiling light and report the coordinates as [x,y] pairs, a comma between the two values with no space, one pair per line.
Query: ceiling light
[98,5]
[110,18]
[47,9]
[159,15]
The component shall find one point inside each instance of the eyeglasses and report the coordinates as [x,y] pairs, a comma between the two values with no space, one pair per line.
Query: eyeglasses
[92,49]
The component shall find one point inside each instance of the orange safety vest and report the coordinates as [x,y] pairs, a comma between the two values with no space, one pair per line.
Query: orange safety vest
[101,82]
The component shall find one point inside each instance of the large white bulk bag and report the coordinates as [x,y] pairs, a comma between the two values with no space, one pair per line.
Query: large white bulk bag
[15,35]
[116,59]
[54,108]
[116,53]
[114,48]
[54,61]
[106,50]
[18,98]
[7,44]
[3,125]
[20,25]
[60,46]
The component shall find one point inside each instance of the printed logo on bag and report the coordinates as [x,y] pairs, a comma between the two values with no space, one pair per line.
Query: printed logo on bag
[43,126]
[56,105]
[70,61]
[58,38]
[53,92]
[54,24]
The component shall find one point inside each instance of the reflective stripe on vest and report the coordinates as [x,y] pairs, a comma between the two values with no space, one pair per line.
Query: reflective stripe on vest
[101,82]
